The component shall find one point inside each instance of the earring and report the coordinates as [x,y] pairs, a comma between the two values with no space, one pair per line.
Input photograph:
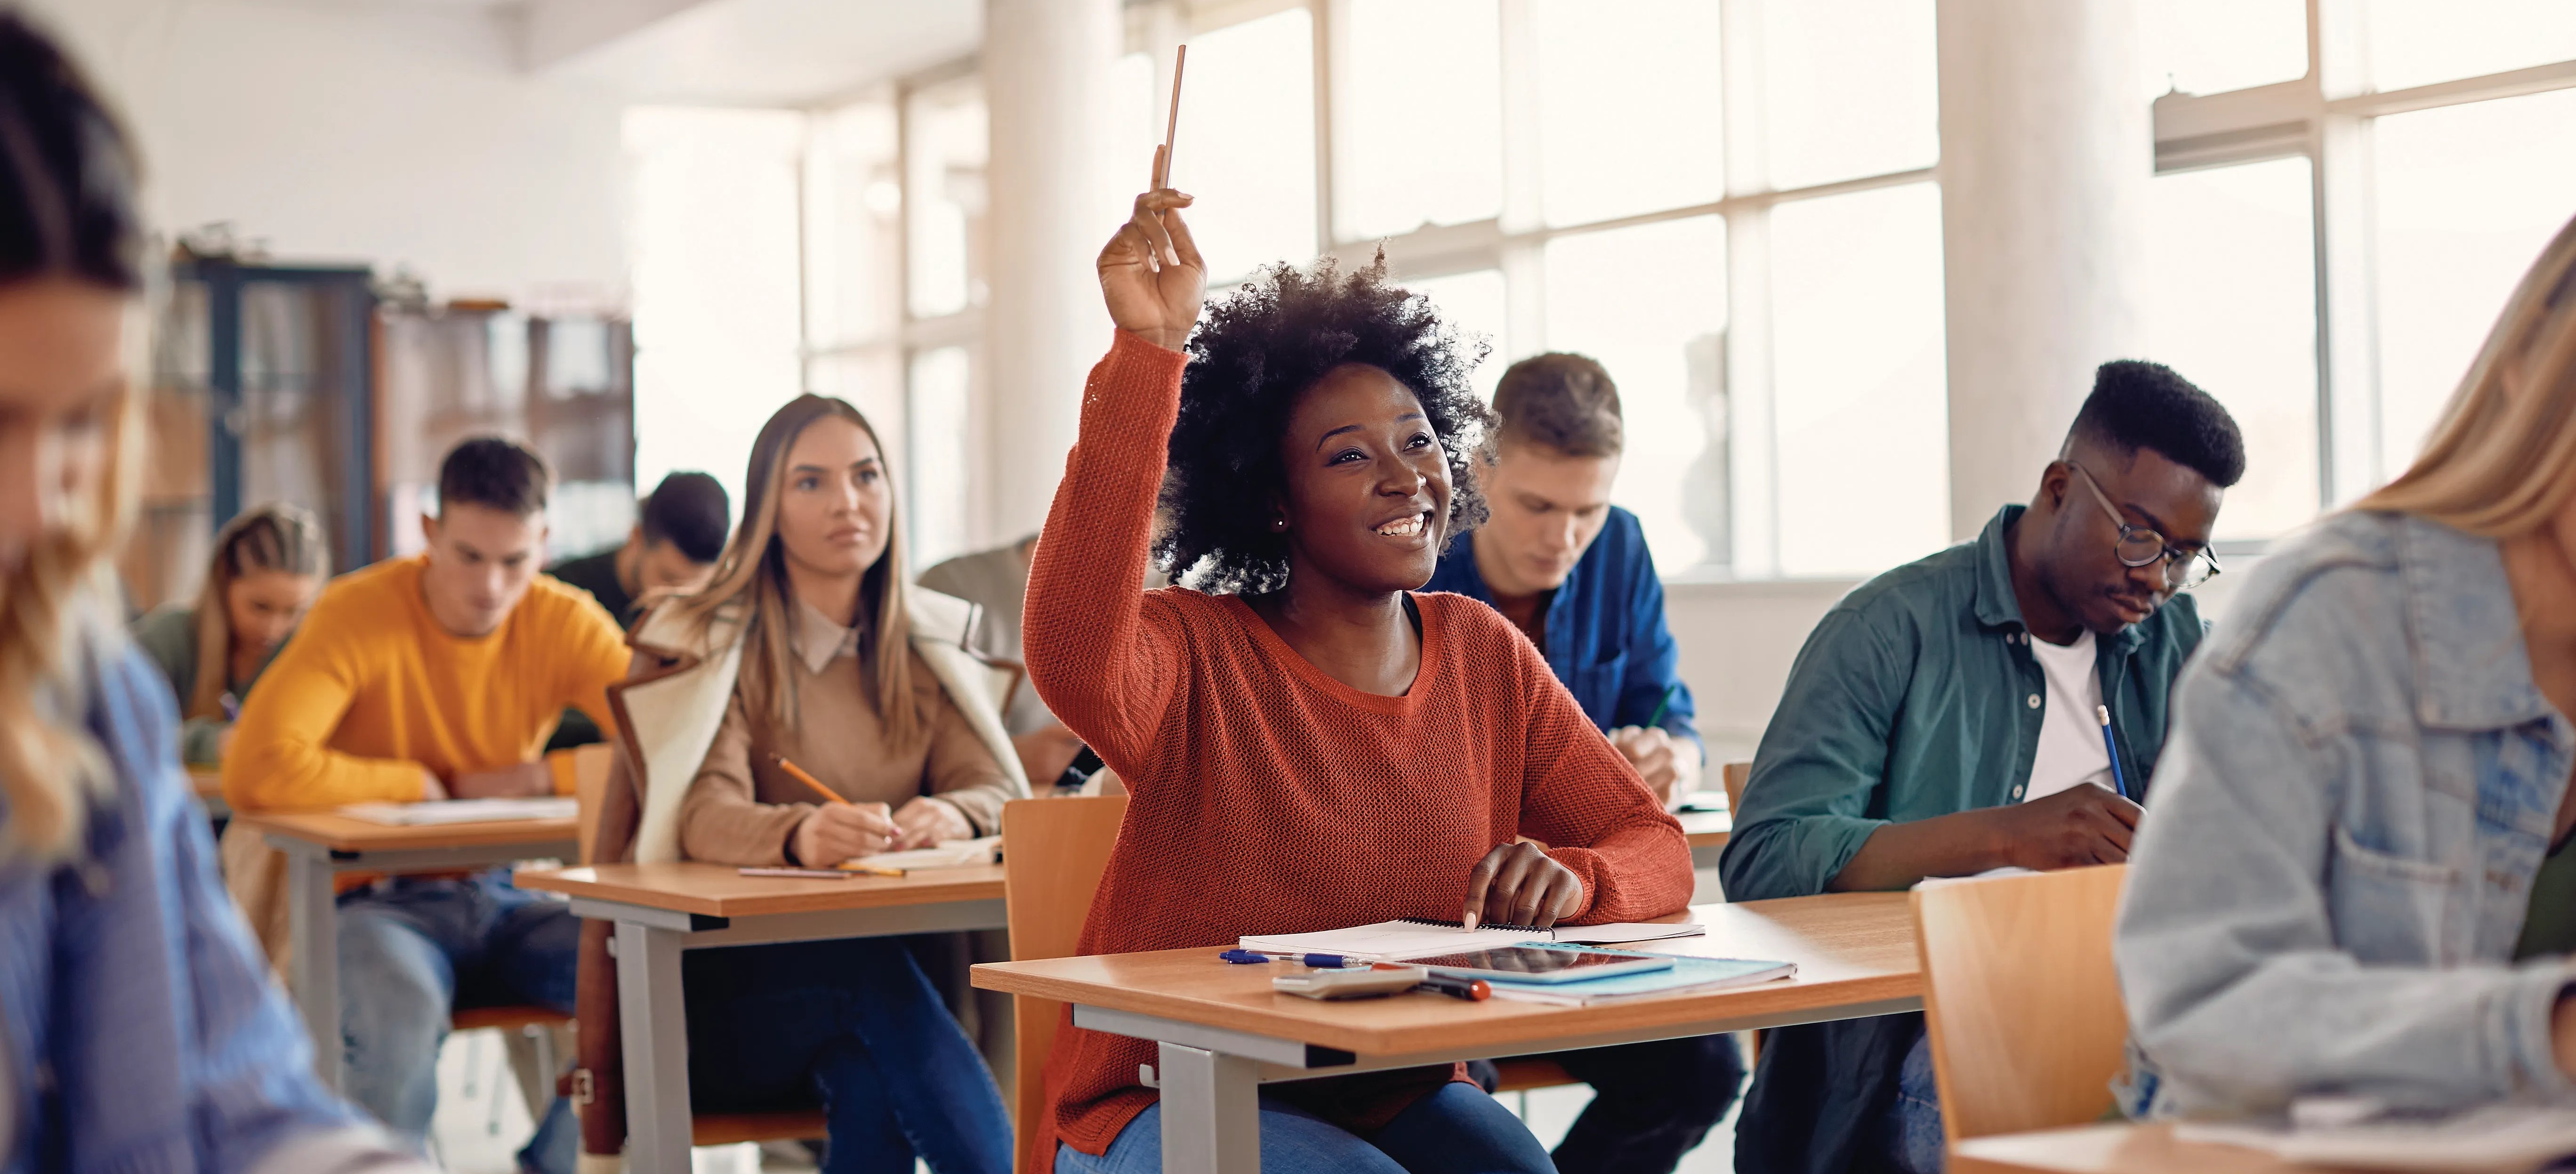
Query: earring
[1278,523]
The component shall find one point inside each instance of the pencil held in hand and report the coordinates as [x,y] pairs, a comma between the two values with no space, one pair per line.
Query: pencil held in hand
[826,794]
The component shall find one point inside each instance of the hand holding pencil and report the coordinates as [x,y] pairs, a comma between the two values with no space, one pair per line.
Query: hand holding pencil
[839,829]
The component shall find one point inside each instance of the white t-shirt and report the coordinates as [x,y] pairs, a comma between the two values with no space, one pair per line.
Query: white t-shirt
[2070,732]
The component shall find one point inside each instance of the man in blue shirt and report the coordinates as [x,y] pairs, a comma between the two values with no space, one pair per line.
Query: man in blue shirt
[1571,571]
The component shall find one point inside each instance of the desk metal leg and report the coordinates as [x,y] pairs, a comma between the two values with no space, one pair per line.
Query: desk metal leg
[652,1019]
[314,933]
[1211,1111]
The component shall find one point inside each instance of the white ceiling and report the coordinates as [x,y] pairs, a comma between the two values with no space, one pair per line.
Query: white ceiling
[752,52]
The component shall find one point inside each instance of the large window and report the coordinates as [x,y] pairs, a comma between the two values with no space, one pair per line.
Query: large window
[2332,238]
[1708,195]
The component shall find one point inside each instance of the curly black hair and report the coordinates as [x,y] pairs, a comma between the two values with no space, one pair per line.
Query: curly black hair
[1254,353]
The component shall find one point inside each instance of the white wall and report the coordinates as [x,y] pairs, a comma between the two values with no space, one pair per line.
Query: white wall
[367,130]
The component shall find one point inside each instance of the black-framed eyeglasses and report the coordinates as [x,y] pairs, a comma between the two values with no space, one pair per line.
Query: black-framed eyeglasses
[2139,546]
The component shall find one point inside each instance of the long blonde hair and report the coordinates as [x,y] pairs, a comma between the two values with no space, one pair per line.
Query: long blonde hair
[2503,458]
[750,582]
[278,536]
[67,212]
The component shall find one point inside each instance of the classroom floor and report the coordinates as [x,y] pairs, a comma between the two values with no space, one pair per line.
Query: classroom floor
[482,1122]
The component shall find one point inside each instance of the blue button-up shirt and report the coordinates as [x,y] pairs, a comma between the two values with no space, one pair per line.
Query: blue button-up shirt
[1605,631]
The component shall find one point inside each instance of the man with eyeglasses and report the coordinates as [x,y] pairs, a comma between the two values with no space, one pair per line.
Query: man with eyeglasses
[1999,704]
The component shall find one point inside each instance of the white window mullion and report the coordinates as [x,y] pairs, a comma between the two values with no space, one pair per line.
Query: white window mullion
[1753,467]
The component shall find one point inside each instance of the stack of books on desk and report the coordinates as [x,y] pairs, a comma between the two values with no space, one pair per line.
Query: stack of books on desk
[1688,975]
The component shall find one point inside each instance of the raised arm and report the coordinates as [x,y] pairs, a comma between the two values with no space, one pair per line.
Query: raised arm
[1105,665]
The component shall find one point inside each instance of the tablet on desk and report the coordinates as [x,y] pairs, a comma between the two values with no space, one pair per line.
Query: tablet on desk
[1540,963]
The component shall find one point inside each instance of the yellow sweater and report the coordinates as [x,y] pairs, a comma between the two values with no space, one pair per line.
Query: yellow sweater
[371,691]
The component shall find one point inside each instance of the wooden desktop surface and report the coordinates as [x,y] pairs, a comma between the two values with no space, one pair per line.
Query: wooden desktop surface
[717,890]
[2112,1149]
[341,833]
[1703,828]
[1851,948]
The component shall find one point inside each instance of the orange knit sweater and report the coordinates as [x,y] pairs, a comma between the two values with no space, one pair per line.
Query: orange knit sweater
[1268,797]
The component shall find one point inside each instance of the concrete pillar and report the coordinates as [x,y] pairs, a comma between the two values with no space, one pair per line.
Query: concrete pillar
[2046,150]
[1045,67]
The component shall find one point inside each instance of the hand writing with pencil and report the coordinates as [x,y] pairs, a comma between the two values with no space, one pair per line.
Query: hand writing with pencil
[1520,884]
[1150,272]
[925,821]
[836,832]
[1669,765]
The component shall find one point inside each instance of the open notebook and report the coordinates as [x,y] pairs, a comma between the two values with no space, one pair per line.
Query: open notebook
[439,813]
[946,854]
[1415,937]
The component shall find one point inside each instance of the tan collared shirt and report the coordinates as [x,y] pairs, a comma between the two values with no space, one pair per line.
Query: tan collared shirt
[742,807]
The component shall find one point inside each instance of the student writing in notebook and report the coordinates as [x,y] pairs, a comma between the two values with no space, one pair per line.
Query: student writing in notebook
[268,564]
[1309,743]
[1997,704]
[805,641]
[434,677]
[2357,878]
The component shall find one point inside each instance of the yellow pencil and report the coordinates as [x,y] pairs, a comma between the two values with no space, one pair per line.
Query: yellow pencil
[831,796]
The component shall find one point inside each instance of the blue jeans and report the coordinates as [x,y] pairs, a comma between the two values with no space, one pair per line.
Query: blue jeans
[411,949]
[854,1025]
[1915,1144]
[1651,1102]
[1455,1130]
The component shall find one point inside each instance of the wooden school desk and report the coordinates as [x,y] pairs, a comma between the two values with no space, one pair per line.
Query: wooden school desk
[1707,832]
[1223,1031]
[2110,1149]
[662,909]
[320,845]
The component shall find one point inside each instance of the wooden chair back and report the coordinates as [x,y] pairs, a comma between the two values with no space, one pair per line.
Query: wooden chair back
[1053,853]
[1732,776]
[2023,1003]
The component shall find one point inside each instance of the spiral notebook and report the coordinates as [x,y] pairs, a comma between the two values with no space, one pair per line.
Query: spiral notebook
[1420,937]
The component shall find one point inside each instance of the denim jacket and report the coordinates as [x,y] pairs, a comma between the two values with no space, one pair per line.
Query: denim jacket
[2360,786]
[138,1024]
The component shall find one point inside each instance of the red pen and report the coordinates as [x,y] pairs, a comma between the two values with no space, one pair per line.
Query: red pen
[1474,990]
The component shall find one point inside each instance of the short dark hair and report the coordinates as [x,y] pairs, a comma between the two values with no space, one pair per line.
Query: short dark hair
[494,473]
[689,511]
[1256,351]
[1564,401]
[2137,404]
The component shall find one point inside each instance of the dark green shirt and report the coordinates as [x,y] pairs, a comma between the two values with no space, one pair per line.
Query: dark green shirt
[1916,696]
[2549,926]
[597,574]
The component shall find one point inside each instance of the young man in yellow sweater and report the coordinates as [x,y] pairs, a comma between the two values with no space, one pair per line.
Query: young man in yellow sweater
[436,677]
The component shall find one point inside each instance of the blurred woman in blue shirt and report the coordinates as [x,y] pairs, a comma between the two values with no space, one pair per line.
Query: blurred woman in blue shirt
[139,1032]
[2357,878]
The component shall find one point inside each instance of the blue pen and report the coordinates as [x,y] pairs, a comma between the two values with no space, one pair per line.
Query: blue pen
[2119,778]
[1255,957]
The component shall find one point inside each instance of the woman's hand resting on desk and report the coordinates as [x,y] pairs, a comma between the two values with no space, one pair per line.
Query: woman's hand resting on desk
[1150,272]
[1520,884]
[830,835]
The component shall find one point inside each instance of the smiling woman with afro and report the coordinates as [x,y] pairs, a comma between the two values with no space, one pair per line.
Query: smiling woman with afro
[1308,740]
[1258,350]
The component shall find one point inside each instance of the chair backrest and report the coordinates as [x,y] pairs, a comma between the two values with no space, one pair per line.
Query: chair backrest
[589,782]
[2022,1000]
[1732,776]
[1054,851]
